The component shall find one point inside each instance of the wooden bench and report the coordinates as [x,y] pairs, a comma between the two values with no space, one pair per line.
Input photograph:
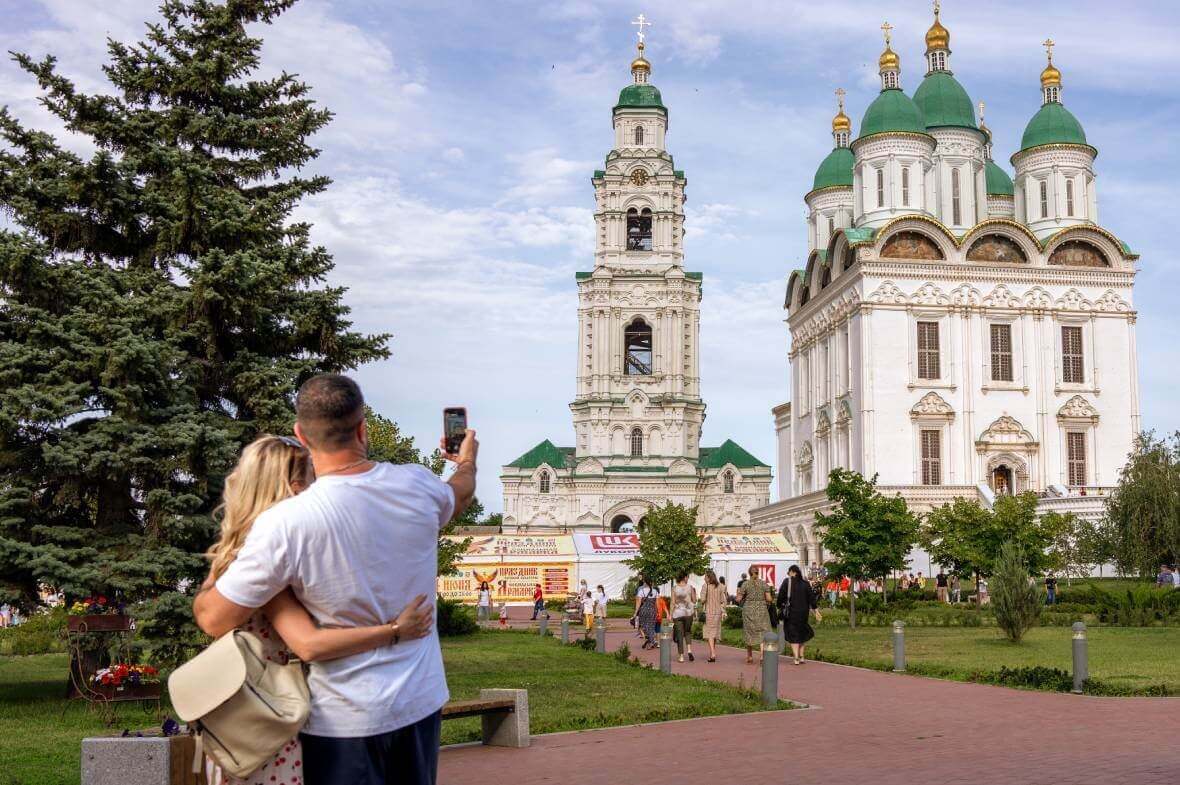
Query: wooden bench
[504,715]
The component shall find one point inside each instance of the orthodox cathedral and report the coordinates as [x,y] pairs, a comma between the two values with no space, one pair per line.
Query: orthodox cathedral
[957,331]
[637,412]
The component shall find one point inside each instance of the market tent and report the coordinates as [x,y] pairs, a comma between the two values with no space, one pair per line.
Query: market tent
[512,565]
[601,560]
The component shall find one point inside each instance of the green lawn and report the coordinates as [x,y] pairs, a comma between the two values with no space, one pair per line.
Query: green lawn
[1134,659]
[569,689]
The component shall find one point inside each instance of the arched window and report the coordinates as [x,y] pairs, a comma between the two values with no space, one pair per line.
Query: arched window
[639,134]
[639,230]
[890,80]
[544,482]
[826,278]
[1044,199]
[727,482]
[880,187]
[905,186]
[637,359]
[956,199]
[636,443]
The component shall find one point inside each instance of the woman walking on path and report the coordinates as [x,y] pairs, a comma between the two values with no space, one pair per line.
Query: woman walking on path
[483,611]
[600,603]
[645,612]
[684,604]
[754,597]
[713,601]
[796,599]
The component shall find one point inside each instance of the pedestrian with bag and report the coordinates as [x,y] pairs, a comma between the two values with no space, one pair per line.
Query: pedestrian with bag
[795,602]
[755,599]
[684,603]
[713,600]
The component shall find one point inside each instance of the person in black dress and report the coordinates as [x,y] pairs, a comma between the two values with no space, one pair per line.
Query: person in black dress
[796,599]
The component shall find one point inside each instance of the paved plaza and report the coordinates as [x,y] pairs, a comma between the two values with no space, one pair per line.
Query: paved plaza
[863,726]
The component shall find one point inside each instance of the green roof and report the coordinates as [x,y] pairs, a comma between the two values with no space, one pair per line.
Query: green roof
[835,170]
[892,111]
[581,276]
[822,255]
[678,174]
[944,102]
[599,174]
[998,181]
[859,235]
[545,452]
[694,276]
[1052,124]
[729,452]
[640,96]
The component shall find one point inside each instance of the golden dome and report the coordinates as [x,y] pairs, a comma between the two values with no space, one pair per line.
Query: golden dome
[841,122]
[889,60]
[937,37]
[1050,77]
[640,63]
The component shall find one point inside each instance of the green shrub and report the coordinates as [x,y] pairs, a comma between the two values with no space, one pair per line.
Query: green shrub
[623,653]
[586,643]
[1037,678]
[41,633]
[733,617]
[1016,602]
[455,618]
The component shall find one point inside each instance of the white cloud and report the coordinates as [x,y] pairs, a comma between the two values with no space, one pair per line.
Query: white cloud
[543,176]
[453,154]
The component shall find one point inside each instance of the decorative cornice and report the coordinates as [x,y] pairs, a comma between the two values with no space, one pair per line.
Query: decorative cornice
[932,405]
[1078,408]
[1052,146]
[1005,431]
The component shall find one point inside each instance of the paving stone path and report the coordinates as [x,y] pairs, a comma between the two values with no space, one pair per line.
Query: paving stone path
[864,727]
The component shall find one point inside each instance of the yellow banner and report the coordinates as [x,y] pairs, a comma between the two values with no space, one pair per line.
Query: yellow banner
[519,545]
[508,582]
[746,543]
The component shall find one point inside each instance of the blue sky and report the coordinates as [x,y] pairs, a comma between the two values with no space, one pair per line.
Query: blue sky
[466,133]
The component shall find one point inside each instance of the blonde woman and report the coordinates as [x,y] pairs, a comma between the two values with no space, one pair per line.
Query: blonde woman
[270,469]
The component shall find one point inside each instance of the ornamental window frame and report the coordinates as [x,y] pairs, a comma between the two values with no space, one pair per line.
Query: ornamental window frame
[1069,189]
[638,348]
[727,481]
[880,187]
[956,197]
[940,422]
[1043,192]
[1090,381]
[905,186]
[947,341]
[635,442]
[543,482]
[638,135]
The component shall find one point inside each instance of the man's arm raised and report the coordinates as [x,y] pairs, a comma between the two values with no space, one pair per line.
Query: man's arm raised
[462,481]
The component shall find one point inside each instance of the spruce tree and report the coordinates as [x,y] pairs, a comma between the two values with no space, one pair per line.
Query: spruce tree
[158,307]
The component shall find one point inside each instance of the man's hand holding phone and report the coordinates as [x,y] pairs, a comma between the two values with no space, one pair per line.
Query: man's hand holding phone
[468,449]
[462,481]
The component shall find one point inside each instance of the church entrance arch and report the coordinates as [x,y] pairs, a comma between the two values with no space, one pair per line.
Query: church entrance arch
[621,523]
[1002,480]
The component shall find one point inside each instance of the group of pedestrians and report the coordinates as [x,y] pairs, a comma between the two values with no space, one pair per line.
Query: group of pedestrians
[762,610]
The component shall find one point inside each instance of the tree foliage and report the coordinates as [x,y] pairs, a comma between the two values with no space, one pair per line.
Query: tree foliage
[867,535]
[1143,512]
[1017,601]
[670,545]
[966,538]
[158,305]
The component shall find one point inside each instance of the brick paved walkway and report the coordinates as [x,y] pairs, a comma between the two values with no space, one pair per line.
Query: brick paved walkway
[865,728]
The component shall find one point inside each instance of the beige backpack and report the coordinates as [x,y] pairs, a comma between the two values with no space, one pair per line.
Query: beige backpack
[243,707]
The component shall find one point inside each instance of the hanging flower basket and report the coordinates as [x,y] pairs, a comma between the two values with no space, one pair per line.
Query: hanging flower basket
[127,692]
[103,622]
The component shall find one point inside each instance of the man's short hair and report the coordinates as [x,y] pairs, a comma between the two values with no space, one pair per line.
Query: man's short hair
[328,408]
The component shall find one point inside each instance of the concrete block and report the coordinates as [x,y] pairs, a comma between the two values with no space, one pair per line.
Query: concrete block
[507,729]
[147,760]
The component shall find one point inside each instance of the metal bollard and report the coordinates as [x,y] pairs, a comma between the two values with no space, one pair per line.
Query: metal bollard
[565,628]
[770,669]
[665,649]
[600,636]
[1081,667]
[899,646]
[543,625]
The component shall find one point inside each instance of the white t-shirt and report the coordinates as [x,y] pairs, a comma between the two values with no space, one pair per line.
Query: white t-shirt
[588,605]
[356,549]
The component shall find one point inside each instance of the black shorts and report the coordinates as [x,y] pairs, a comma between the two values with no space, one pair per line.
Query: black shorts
[407,755]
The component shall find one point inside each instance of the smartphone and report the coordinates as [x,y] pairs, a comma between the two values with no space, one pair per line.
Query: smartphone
[454,427]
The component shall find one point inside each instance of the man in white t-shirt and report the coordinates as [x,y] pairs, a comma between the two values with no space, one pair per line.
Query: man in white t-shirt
[355,547]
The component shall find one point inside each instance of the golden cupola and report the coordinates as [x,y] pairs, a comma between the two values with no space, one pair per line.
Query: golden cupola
[640,67]
[937,37]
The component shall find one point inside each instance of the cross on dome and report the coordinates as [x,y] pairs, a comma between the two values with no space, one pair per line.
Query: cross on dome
[887,28]
[1049,44]
[890,63]
[641,22]
[1051,76]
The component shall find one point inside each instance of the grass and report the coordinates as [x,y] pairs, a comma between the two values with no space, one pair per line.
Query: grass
[572,689]
[569,689]
[1134,660]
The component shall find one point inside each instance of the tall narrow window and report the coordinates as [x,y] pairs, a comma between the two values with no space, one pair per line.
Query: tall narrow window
[1076,449]
[905,186]
[1069,198]
[544,482]
[1001,352]
[929,359]
[1044,199]
[637,361]
[727,482]
[956,201]
[639,230]
[639,134]
[1073,368]
[931,456]
[880,187]
[831,226]
[636,443]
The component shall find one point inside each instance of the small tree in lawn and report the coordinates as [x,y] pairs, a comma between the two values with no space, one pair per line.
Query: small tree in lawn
[1069,552]
[950,535]
[1016,600]
[867,534]
[670,545]
[1144,509]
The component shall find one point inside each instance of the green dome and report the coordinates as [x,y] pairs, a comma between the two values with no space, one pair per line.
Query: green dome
[892,111]
[944,102]
[1052,124]
[835,170]
[998,181]
[640,96]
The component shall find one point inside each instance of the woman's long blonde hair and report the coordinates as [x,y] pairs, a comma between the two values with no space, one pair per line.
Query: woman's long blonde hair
[269,470]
